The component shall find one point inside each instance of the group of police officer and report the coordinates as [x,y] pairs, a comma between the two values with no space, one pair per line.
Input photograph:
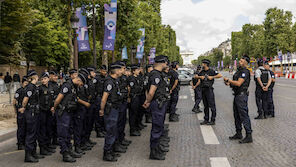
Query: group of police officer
[53,114]
[202,83]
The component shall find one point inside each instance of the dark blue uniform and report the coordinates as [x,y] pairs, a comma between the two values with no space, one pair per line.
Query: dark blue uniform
[65,114]
[99,87]
[197,92]
[175,93]
[123,84]
[32,118]
[270,96]
[92,110]
[52,129]
[111,112]
[145,86]
[21,124]
[157,107]
[46,99]
[240,104]
[208,96]
[135,92]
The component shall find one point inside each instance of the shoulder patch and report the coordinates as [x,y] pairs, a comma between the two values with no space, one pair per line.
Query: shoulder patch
[29,93]
[157,80]
[109,87]
[95,81]
[243,75]
[65,90]
[16,95]
[132,84]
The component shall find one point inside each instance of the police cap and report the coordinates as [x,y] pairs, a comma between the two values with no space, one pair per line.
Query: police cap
[103,67]
[52,73]
[82,77]
[72,71]
[247,58]
[135,66]
[44,74]
[89,69]
[206,61]
[115,65]
[25,78]
[161,59]
[84,71]
[31,73]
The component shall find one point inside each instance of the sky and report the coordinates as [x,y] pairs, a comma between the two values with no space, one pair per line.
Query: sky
[203,24]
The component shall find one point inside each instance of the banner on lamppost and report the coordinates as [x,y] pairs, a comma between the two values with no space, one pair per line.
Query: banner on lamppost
[82,31]
[222,65]
[280,54]
[124,54]
[140,48]
[152,55]
[110,25]
[218,64]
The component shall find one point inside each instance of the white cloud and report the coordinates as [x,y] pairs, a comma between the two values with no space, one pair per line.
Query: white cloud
[203,25]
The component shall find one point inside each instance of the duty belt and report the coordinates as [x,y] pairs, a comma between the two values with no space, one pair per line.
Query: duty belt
[242,93]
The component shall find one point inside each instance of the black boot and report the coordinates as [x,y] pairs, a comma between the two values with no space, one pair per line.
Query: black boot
[50,150]
[204,122]
[164,144]
[237,136]
[20,147]
[43,151]
[116,155]
[148,119]
[75,154]
[127,141]
[155,154]
[100,135]
[79,150]
[135,133]
[119,149]
[211,123]
[51,146]
[259,117]
[163,149]
[84,147]
[123,143]
[68,158]
[109,157]
[37,156]
[143,125]
[55,142]
[30,158]
[174,118]
[247,139]
[92,142]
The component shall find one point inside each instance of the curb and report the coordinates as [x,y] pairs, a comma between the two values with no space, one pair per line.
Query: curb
[7,135]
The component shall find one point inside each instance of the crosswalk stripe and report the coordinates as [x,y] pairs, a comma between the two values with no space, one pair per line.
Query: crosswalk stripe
[183,97]
[207,132]
[219,162]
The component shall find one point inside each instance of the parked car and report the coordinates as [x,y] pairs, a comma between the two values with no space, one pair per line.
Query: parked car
[184,79]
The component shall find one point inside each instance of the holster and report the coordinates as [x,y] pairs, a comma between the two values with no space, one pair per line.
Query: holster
[108,108]
[160,102]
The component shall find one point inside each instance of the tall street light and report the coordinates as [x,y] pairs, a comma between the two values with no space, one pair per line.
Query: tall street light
[74,23]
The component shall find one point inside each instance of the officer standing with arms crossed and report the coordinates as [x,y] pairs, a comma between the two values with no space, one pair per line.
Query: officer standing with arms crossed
[207,77]
[110,104]
[263,80]
[240,85]
[155,100]
[21,124]
[196,86]
[270,91]
[65,105]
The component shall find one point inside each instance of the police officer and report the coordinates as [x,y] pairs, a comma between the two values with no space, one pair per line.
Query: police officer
[263,80]
[31,109]
[155,99]
[46,98]
[149,68]
[21,125]
[142,97]
[207,77]
[110,105]
[174,91]
[134,95]
[52,126]
[196,86]
[240,85]
[99,120]
[270,91]
[64,105]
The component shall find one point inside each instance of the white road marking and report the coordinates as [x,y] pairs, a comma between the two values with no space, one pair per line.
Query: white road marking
[183,97]
[200,116]
[219,162]
[207,132]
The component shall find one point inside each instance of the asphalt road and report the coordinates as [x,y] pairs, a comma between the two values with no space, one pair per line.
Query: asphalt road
[193,145]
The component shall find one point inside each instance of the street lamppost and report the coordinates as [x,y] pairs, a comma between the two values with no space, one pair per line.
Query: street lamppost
[74,20]
[134,51]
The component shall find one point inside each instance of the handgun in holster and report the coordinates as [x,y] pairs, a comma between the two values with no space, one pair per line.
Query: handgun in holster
[160,102]
[108,108]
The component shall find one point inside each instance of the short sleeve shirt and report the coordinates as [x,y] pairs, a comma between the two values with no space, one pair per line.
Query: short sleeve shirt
[209,72]
[155,79]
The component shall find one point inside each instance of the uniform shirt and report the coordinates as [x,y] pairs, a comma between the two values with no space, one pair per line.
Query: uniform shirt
[123,83]
[157,80]
[173,77]
[69,92]
[19,96]
[166,78]
[99,84]
[145,83]
[82,93]
[195,80]
[208,83]
[111,86]
[243,73]
[32,93]
[46,94]
[273,77]
[91,90]
[55,87]
[134,84]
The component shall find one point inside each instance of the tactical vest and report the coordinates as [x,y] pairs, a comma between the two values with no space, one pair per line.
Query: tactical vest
[33,100]
[70,100]
[244,87]
[161,90]
[136,90]
[123,87]
[264,77]
[115,95]
[167,88]
[46,97]
[272,83]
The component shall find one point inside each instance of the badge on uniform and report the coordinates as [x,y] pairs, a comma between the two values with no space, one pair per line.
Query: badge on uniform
[243,75]
[29,93]
[65,90]
[86,86]
[109,87]
[132,84]
[95,81]
[157,80]
[16,95]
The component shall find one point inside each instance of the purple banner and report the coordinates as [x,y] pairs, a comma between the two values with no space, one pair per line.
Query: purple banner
[140,48]
[82,31]
[222,65]
[152,55]
[110,25]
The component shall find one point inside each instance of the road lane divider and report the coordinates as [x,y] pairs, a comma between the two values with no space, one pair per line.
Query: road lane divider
[219,162]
